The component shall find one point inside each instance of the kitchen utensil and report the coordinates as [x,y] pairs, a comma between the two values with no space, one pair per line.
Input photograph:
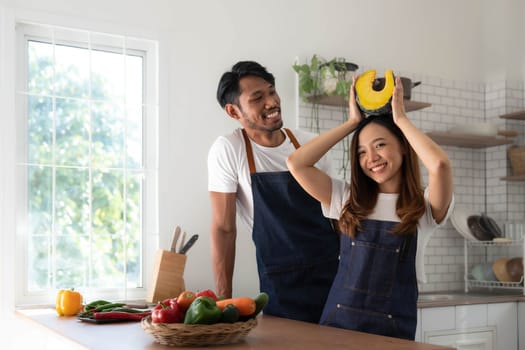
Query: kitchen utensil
[167,278]
[502,240]
[490,225]
[189,244]
[175,238]
[379,83]
[473,222]
[514,230]
[500,270]
[514,268]
[516,156]
[408,85]
[182,241]
[341,66]
[483,272]
[458,218]
[104,321]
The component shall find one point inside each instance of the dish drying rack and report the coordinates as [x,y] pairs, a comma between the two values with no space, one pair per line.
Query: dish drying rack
[500,248]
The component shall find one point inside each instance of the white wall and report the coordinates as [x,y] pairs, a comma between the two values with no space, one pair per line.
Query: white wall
[199,39]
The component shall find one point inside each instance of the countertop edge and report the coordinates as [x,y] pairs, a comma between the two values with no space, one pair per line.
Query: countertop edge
[461,298]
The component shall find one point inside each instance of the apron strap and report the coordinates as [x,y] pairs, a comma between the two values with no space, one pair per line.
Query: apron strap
[292,138]
[249,151]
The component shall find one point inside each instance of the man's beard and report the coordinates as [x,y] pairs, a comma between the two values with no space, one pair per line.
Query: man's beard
[255,126]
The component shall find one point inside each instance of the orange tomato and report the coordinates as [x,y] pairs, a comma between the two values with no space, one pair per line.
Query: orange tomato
[185,299]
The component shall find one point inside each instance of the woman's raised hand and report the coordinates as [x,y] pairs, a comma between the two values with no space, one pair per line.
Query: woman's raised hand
[398,103]
[354,113]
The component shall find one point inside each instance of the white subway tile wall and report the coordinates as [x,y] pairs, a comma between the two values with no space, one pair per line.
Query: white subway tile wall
[477,172]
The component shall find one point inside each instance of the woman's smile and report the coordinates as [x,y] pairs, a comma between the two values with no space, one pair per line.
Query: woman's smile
[378,168]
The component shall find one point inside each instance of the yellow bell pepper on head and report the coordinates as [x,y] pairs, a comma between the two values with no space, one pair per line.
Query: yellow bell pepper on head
[69,302]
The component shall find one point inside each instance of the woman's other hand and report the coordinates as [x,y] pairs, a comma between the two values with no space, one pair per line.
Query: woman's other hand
[398,103]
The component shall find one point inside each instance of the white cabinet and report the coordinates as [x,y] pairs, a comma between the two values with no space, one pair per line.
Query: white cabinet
[521,325]
[472,339]
[472,327]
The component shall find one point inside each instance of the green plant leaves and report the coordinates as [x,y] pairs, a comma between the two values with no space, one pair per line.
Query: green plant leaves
[311,76]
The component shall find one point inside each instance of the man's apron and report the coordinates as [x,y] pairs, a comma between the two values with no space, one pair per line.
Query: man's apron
[375,290]
[296,246]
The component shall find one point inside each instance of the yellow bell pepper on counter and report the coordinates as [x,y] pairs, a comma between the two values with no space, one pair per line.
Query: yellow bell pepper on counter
[69,302]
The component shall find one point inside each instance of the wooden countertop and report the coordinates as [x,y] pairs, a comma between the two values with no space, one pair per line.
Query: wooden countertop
[270,333]
[453,298]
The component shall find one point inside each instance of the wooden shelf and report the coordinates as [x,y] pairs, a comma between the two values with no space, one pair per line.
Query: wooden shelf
[514,178]
[519,115]
[337,101]
[466,140]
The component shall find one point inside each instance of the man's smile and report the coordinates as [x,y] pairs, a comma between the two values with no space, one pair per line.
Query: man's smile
[273,114]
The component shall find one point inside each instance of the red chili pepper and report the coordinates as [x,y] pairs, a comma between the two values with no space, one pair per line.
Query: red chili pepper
[120,315]
[207,293]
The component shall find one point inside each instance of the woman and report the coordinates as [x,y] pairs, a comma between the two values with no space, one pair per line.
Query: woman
[385,216]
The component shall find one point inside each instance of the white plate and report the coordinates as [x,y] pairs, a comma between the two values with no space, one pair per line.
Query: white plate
[459,218]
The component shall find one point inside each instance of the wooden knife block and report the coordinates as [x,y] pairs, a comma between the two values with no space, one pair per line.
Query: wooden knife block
[167,279]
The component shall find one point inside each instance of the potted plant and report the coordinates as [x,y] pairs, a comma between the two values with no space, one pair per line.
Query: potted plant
[320,77]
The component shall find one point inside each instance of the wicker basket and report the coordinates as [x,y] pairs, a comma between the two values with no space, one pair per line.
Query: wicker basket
[180,334]
[517,159]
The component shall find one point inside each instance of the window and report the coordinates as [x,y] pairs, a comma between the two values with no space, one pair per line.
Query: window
[87,121]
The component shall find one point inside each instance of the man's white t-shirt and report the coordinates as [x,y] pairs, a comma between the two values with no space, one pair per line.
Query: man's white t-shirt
[228,170]
[385,210]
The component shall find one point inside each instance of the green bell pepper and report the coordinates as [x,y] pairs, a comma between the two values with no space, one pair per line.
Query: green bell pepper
[203,310]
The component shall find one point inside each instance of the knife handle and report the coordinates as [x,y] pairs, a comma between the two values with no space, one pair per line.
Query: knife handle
[188,245]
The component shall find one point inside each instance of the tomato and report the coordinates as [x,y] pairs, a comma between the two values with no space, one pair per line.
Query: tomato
[185,299]
[207,293]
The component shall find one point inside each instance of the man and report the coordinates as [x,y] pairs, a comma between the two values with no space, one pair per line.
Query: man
[296,246]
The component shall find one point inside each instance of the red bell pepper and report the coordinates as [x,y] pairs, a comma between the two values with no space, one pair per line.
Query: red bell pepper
[169,302]
[167,313]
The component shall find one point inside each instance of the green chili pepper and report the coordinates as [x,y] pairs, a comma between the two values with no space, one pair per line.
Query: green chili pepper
[106,307]
[127,309]
[94,304]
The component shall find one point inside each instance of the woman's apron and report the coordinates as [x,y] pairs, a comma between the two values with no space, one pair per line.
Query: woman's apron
[297,248]
[375,290]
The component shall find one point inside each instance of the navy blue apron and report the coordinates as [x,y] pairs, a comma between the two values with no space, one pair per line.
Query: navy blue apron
[375,290]
[297,248]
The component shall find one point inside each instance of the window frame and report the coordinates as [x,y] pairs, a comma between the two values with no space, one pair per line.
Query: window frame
[148,49]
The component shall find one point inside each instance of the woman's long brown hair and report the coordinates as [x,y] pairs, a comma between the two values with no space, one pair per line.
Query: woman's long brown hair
[364,191]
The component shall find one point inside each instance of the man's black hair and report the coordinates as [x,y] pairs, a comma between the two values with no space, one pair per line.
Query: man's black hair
[228,89]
